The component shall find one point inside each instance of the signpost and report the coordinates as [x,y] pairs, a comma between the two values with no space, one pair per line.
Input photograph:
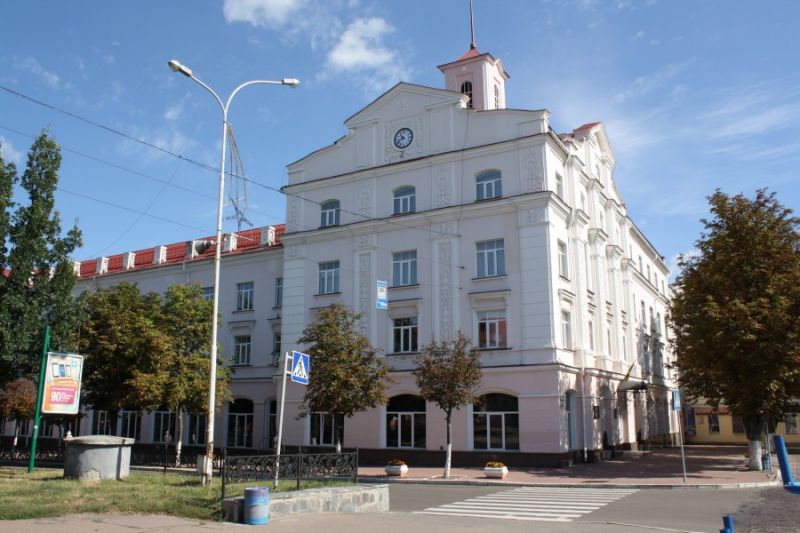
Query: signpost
[676,406]
[382,302]
[297,366]
[59,388]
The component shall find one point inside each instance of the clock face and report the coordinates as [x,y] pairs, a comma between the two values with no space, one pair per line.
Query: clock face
[403,138]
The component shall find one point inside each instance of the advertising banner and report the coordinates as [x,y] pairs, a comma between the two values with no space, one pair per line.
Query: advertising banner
[62,384]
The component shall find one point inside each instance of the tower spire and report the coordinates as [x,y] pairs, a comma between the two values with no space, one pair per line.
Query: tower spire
[472,25]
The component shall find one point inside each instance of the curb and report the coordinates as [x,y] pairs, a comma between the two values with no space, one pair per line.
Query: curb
[644,486]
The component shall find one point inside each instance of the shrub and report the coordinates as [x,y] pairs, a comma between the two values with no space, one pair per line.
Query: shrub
[396,462]
[494,464]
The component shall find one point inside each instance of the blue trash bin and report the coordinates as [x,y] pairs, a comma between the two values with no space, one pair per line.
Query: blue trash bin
[256,506]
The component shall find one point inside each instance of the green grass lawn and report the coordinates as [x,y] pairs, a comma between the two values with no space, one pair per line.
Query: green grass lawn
[46,493]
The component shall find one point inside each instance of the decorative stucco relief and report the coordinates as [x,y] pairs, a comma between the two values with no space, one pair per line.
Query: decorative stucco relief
[364,277]
[365,199]
[293,215]
[533,170]
[445,259]
[443,185]
[366,241]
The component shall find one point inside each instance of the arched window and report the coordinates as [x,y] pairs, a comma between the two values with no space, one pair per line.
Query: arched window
[329,214]
[466,88]
[495,422]
[488,185]
[405,422]
[496,97]
[240,424]
[405,200]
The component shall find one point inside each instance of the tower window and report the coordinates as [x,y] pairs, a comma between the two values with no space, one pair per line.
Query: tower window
[496,97]
[466,88]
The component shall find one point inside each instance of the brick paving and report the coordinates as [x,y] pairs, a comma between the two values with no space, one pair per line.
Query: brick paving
[705,465]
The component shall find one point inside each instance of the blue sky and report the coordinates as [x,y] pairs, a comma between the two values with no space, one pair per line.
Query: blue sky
[695,95]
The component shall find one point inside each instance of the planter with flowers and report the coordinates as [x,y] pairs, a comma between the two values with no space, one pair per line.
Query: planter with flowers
[495,470]
[396,467]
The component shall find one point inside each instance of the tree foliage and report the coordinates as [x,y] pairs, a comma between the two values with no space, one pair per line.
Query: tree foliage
[38,277]
[18,399]
[346,375]
[736,313]
[148,352]
[448,374]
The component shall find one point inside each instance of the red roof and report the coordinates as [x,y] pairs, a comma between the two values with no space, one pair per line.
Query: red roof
[179,251]
[587,126]
[472,52]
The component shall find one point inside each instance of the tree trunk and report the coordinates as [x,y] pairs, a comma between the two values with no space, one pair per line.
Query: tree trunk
[753,426]
[178,436]
[449,453]
[755,454]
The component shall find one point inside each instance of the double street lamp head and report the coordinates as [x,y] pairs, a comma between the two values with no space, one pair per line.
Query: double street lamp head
[177,66]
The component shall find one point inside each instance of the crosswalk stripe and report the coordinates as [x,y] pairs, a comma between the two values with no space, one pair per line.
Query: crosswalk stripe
[533,503]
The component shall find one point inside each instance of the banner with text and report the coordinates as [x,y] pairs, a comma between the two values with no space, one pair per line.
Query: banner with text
[62,384]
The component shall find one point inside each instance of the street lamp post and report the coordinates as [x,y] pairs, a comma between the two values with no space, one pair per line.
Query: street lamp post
[176,66]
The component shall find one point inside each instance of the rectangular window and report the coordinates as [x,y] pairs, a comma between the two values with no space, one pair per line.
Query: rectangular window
[329,277]
[495,431]
[790,422]
[566,329]
[713,424]
[102,423]
[405,429]
[278,292]
[563,259]
[491,258]
[241,350]
[326,429]
[608,338]
[163,426]
[590,335]
[489,185]
[405,335]
[131,425]
[197,428]
[276,345]
[244,296]
[404,268]
[208,293]
[644,315]
[559,185]
[738,424]
[492,329]
[240,430]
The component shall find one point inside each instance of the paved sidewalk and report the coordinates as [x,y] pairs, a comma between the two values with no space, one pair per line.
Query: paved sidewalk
[706,466]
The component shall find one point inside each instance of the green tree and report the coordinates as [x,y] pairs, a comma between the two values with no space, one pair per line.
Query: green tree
[117,335]
[36,288]
[176,378]
[736,313]
[448,374]
[18,402]
[346,374]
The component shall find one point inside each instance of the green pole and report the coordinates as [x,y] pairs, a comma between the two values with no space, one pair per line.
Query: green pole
[38,417]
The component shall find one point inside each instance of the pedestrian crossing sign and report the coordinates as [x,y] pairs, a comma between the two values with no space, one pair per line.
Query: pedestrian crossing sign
[300,368]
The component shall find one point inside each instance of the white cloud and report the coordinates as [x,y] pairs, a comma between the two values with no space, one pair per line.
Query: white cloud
[672,264]
[361,52]
[639,35]
[10,155]
[270,13]
[646,84]
[174,111]
[108,59]
[361,46]
[30,64]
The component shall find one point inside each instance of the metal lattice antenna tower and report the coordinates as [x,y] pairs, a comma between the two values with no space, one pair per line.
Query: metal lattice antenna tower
[238,188]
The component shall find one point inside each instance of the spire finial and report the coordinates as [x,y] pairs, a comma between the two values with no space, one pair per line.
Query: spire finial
[472,24]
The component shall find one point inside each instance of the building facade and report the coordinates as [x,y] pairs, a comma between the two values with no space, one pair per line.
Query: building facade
[483,221]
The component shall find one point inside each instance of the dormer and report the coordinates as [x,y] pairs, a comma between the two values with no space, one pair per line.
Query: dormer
[479,76]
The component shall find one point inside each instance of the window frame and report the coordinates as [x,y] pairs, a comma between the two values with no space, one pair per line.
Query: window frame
[504,416]
[330,213]
[324,420]
[242,350]
[404,200]
[278,292]
[492,329]
[245,296]
[494,249]
[466,88]
[243,420]
[563,259]
[566,329]
[417,421]
[715,424]
[405,335]
[488,185]
[404,268]
[328,277]
[158,426]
